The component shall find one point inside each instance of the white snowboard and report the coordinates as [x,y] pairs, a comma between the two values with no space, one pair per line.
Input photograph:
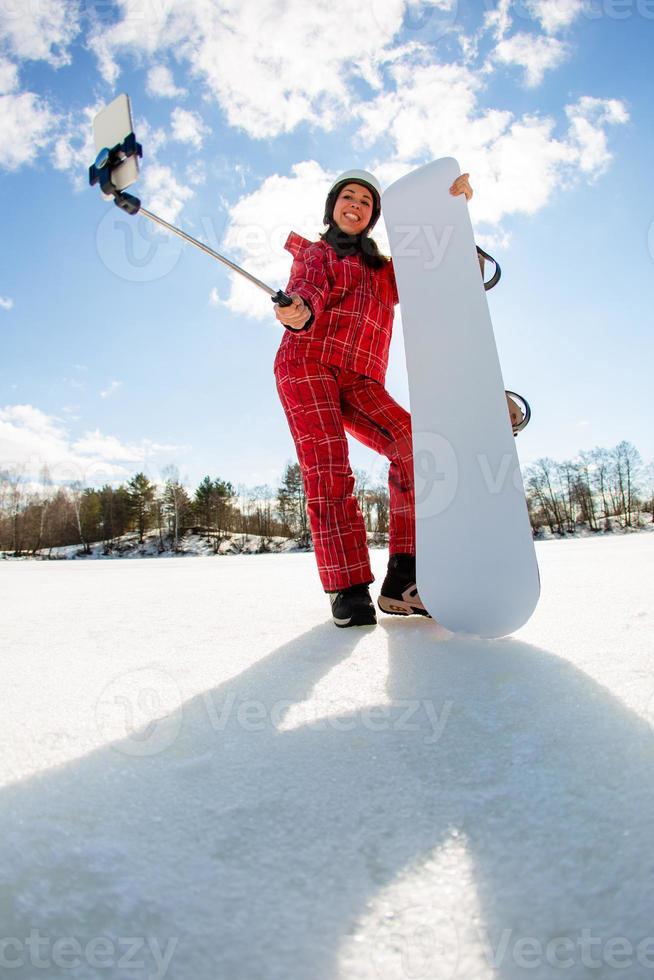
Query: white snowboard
[476,563]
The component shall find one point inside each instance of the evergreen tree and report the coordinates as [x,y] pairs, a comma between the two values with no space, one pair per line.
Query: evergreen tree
[212,503]
[141,496]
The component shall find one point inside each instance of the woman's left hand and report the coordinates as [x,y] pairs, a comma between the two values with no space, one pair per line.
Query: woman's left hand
[462,186]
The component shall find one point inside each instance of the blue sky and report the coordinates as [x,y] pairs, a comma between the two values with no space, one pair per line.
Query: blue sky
[122,350]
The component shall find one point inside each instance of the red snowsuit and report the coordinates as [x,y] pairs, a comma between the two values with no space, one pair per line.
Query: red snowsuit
[330,380]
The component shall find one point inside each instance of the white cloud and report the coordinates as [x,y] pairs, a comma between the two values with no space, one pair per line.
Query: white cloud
[71,411]
[431,108]
[8,76]
[40,30]
[499,20]
[160,83]
[163,195]
[110,389]
[515,163]
[31,439]
[259,225]
[588,117]
[195,173]
[188,127]
[300,73]
[26,127]
[536,54]
[107,447]
[74,149]
[554,15]
[6,303]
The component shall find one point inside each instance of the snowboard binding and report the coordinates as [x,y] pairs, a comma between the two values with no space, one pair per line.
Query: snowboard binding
[519,408]
[519,411]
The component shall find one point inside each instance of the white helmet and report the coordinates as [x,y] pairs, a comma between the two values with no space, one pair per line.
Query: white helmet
[358,177]
[354,177]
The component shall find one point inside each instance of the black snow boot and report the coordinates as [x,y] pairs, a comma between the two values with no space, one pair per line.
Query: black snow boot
[399,593]
[353,607]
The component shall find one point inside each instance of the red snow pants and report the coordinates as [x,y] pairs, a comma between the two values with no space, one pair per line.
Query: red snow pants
[322,402]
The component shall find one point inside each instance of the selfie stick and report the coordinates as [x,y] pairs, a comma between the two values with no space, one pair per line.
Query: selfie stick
[100,173]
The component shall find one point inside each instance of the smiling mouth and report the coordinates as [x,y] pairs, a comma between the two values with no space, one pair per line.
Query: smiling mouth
[351,217]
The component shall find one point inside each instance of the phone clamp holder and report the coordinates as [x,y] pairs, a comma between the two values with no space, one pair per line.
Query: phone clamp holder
[100,173]
[105,162]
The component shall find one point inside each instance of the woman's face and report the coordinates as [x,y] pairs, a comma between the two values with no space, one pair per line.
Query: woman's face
[353,209]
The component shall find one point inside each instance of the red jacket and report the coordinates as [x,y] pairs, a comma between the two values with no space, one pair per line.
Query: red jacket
[352,306]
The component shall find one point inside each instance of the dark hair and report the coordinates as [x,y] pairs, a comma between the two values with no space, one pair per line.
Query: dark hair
[344,244]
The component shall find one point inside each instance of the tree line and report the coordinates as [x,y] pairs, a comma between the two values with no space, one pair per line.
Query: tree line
[600,489]
[38,518]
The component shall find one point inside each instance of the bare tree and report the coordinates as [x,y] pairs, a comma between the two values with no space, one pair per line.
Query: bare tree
[292,504]
[626,466]
[263,498]
[649,477]
[14,494]
[176,502]
[567,475]
[540,484]
[76,493]
[585,494]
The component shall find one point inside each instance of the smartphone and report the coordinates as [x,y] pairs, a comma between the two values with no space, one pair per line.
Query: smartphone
[111,125]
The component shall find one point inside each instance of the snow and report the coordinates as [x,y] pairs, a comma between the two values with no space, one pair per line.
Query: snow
[201,774]
[190,543]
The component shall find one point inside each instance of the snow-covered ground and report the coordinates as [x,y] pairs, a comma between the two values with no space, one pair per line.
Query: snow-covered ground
[203,779]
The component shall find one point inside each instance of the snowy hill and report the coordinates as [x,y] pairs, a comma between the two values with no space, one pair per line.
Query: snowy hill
[195,757]
[192,543]
[195,542]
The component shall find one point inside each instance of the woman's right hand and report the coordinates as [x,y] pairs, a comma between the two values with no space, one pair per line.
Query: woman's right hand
[294,316]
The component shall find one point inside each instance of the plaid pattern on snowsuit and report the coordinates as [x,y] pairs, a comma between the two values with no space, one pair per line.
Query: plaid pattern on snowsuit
[330,380]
